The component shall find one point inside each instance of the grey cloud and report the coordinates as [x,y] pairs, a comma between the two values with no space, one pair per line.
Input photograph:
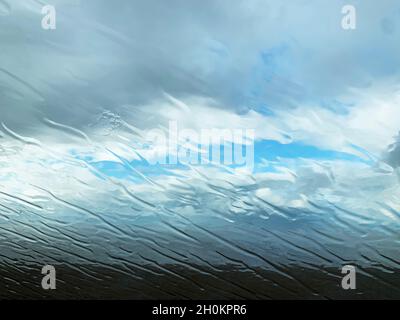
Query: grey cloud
[105,55]
[392,156]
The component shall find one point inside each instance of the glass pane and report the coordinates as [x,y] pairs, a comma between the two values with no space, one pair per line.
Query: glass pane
[199,149]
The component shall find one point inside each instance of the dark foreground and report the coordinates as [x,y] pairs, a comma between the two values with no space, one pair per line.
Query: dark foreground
[195,282]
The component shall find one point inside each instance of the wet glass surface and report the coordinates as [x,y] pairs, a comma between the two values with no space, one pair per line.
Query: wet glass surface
[80,188]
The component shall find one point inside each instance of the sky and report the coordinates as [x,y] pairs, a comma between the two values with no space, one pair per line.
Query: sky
[309,88]
[76,102]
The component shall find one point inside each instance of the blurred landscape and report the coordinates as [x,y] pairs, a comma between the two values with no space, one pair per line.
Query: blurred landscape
[84,110]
